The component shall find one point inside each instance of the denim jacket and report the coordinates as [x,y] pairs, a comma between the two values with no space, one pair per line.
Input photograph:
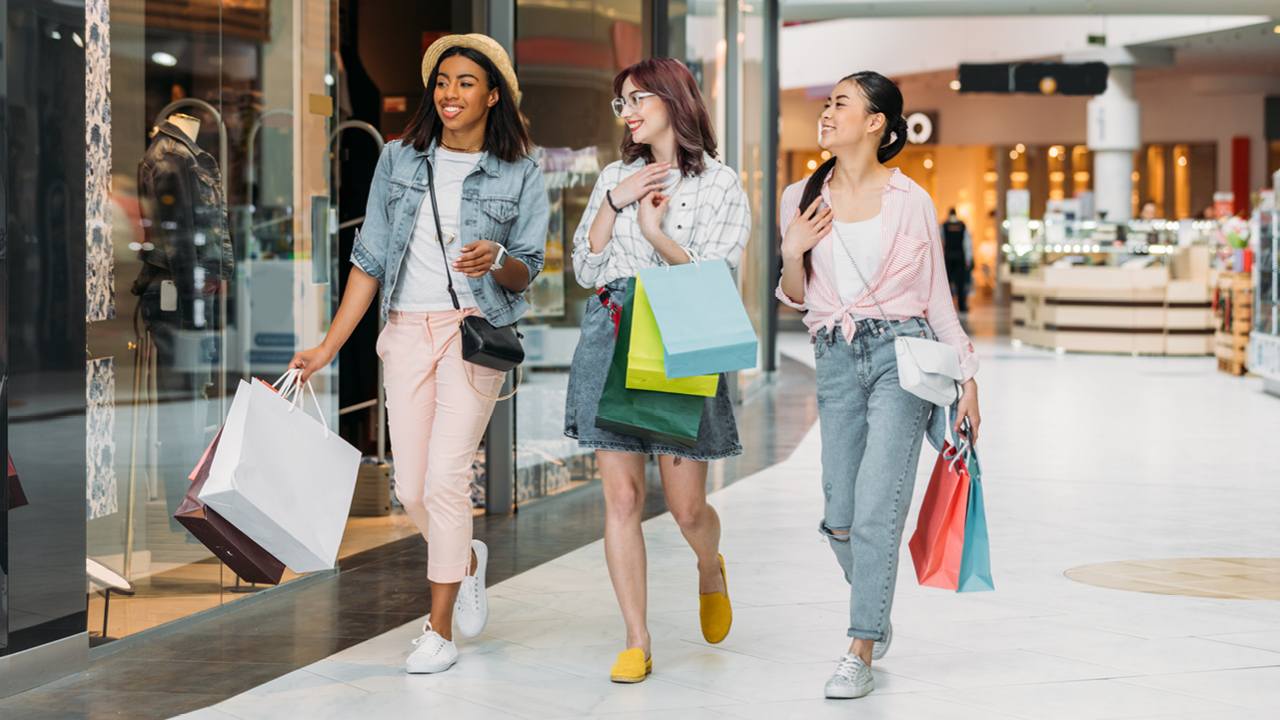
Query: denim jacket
[501,201]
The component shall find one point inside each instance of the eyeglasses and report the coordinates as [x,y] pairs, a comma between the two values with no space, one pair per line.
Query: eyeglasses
[632,102]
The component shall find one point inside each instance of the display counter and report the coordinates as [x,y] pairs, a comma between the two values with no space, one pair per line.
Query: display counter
[1264,341]
[1161,309]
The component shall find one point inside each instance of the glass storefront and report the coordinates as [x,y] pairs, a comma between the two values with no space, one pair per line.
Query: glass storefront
[213,263]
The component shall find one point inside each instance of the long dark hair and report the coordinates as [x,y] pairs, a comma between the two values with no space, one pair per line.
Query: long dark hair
[505,135]
[672,82]
[880,96]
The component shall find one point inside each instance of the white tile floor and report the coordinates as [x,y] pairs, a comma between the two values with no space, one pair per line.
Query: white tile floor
[1086,459]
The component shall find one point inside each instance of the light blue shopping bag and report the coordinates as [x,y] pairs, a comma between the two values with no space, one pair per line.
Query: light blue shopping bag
[705,328]
[975,560]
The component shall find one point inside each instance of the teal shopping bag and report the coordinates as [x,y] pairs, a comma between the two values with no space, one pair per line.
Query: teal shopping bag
[670,418]
[705,328]
[975,560]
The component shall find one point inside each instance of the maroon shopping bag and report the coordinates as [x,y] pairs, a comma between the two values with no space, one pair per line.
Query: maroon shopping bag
[245,557]
[17,498]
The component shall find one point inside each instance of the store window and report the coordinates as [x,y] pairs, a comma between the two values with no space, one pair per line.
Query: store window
[567,56]
[212,260]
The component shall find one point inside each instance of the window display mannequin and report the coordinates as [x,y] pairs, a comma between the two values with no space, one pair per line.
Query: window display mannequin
[186,253]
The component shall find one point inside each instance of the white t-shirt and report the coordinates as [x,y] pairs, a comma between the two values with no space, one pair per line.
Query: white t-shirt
[863,241]
[423,286]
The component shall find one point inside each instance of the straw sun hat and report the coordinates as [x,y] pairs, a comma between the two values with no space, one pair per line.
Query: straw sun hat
[482,44]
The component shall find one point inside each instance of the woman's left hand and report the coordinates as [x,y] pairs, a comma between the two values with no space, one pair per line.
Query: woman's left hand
[969,409]
[649,214]
[476,258]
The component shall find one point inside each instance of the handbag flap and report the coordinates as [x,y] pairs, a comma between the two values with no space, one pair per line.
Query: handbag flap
[931,356]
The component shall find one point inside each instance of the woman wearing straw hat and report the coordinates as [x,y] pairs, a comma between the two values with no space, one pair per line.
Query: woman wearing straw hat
[462,179]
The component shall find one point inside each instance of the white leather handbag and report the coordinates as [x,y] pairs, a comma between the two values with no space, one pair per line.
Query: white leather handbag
[928,369]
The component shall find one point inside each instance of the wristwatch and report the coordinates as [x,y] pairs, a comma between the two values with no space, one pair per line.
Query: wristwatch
[498,261]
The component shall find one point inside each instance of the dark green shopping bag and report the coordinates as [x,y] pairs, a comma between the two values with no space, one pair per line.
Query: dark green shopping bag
[662,417]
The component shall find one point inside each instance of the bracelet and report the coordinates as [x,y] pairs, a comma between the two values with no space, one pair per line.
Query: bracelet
[609,199]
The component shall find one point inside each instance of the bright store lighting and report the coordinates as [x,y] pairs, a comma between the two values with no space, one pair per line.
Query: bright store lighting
[813,164]
[1276,29]
[1007,247]
[1182,161]
[1053,152]
[328,79]
[164,58]
[1097,248]
[1013,154]
[1022,148]
[826,154]
[1015,343]
[75,38]
[928,163]
[55,35]
[955,84]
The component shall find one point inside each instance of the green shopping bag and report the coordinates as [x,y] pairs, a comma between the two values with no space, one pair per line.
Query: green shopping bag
[645,365]
[975,559]
[658,416]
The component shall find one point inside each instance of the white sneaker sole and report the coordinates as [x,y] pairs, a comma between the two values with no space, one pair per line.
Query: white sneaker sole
[836,696]
[415,669]
[482,564]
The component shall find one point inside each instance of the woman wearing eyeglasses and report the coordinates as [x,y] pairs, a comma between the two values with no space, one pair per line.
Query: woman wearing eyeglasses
[666,202]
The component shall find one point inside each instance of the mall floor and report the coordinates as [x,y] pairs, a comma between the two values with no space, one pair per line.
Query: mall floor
[1131,503]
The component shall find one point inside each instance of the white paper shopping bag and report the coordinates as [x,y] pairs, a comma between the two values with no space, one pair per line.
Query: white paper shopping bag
[283,478]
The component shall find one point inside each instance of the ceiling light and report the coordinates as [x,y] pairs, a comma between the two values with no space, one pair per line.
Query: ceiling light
[1053,152]
[164,58]
[1022,148]
[955,84]
[75,38]
[1182,161]
[1013,154]
[1277,29]
[813,164]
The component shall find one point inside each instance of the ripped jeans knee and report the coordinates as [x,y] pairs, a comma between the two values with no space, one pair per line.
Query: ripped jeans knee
[837,534]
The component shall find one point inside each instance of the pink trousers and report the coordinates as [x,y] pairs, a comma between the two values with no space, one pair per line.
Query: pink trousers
[436,421]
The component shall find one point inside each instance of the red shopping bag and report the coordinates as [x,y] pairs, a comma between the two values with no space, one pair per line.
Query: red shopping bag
[938,543]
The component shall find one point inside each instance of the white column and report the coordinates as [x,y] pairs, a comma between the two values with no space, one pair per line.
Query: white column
[1114,133]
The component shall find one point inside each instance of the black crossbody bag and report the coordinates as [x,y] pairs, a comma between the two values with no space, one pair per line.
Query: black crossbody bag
[497,348]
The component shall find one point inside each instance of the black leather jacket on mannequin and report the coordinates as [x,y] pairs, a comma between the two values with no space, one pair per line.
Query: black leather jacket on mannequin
[185,221]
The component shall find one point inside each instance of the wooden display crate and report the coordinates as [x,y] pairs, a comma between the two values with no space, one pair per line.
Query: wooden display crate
[1233,316]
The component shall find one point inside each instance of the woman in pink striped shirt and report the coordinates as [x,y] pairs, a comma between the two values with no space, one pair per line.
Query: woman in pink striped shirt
[855,223]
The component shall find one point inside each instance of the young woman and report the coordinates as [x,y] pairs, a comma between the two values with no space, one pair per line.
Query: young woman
[854,233]
[666,202]
[469,140]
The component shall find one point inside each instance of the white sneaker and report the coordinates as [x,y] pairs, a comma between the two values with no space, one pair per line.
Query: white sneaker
[882,646]
[433,654]
[852,679]
[472,606]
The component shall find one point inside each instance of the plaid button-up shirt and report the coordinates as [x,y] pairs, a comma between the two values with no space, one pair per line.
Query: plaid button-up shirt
[721,225]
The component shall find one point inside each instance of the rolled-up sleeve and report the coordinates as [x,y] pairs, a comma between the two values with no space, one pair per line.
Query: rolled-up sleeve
[528,239]
[369,250]
[788,208]
[589,266]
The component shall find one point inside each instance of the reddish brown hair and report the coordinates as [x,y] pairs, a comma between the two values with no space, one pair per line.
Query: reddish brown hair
[671,81]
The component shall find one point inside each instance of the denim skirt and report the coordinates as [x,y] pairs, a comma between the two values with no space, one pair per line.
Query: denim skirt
[717,436]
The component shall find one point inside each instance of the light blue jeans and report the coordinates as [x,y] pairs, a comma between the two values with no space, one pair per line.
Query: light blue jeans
[872,431]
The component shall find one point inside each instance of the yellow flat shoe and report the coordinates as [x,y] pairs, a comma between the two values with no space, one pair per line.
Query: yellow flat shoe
[715,612]
[631,667]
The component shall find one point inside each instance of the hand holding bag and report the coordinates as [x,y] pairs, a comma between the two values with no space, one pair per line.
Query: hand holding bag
[482,343]
[928,369]
[937,545]
[975,561]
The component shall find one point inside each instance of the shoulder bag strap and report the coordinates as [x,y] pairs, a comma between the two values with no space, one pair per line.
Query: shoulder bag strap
[863,278]
[435,213]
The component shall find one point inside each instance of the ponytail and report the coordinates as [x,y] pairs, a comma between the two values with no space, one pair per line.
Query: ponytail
[895,138]
[812,189]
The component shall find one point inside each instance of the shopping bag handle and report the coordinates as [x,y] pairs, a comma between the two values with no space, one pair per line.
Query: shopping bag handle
[291,390]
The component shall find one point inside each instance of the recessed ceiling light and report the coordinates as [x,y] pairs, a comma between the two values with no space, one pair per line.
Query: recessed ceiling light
[164,58]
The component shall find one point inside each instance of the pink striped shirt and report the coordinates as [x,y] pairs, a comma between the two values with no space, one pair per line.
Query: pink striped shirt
[910,282]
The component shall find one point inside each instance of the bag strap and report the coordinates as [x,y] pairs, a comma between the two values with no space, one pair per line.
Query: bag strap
[435,213]
[516,389]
